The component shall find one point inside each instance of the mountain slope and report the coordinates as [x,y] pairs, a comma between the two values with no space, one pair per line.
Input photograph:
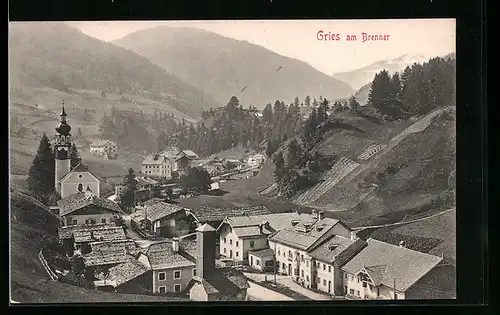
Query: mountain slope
[359,77]
[361,95]
[61,57]
[223,67]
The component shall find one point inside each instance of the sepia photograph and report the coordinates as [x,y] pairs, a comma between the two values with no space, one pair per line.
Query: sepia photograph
[232,160]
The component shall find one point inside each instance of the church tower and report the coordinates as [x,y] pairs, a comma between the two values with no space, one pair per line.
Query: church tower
[61,150]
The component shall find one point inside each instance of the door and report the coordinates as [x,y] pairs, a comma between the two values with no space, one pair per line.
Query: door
[289,269]
[329,286]
[231,253]
[251,260]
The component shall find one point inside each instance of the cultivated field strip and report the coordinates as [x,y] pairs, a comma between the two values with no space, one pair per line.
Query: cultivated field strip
[371,151]
[343,167]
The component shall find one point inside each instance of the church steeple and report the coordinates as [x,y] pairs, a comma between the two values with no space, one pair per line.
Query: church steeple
[62,148]
[63,113]
[63,128]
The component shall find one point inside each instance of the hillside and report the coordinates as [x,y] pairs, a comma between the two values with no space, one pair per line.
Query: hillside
[29,282]
[60,57]
[224,67]
[361,95]
[359,77]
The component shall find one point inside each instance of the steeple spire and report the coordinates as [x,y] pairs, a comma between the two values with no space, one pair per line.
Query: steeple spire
[63,113]
[63,128]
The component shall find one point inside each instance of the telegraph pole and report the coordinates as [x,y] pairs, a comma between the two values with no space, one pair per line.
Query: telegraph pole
[274,263]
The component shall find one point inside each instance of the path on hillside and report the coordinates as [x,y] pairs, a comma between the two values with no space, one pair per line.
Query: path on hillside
[402,222]
[259,293]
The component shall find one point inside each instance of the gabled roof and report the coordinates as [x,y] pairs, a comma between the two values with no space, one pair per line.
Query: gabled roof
[248,225]
[225,281]
[209,214]
[66,232]
[80,168]
[81,200]
[304,240]
[123,273]
[160,210]
[110,252]
[112,233]
[263,252]
[327,251]
[391,265]
[187,153]
[155,160]
[162,256]
[145,181]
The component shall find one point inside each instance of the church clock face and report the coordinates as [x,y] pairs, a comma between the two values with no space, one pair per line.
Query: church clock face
[62,152]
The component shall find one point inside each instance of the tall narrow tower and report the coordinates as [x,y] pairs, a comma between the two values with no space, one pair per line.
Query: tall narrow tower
[61,150]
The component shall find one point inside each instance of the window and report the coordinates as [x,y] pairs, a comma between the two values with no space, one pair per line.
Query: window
[257,261]
[345,275]
[357,292]
[80,187]
[289,253]
[177,274]
[324,282]
[161,276]
[357,279]
[329,268]
[75,222]
[284,266]
[307,278]
[177,288]
[307,263]
[301,257]
[324,267]
[162,289]
[224,240]
[302,273]
[364,284]
[237,254]
[236,243]
[317,264]
[80,176]
[278,251]
[252,244]
[103,220]
[318,280]
[194,272]
[230,242]
[224,250]
[351,291]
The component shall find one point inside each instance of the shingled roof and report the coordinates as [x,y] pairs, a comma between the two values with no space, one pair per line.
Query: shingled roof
[162,256]
[154,160]
[81,200]
[391,265]
[209,214]
[327,251]
[110,252]
[159,210]
[111,233]
[66,232]
[123,273]
[225,281]
[304,240]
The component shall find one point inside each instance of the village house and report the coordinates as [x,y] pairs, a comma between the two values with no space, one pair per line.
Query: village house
[104,255]
[330,257]
[171,155]
[386,271]
[211,283]
[214,216]
[184,160]
[102,147]
[163,219]
[69,181]
[133,276]
[87,208]
[77,238]
[262,260]
[172,266]
[144,188]
[157,165]
[293,246]
[256,159]
[243,233]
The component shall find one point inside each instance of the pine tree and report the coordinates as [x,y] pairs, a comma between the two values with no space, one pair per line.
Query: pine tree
[296,102]
[295,154]
[353,105]
[127,198]
[279,166]
[74,156]
[41,178]
[307,101]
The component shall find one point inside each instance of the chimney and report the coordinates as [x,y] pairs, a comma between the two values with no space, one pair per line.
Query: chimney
[205,250]
[402,244]
[321,215]
[175,245]
[354,237]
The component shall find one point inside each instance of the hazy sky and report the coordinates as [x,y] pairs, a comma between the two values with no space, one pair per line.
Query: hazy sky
[298,38]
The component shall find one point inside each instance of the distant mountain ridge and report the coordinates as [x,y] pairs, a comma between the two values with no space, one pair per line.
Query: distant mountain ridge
[59,56]
[224,67]
[359,77]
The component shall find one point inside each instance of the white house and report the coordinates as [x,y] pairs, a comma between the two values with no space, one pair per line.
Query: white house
[79,180]
[256,160]
[102,147]
[157,165]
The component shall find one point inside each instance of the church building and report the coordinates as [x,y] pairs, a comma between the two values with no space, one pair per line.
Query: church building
[70,181]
